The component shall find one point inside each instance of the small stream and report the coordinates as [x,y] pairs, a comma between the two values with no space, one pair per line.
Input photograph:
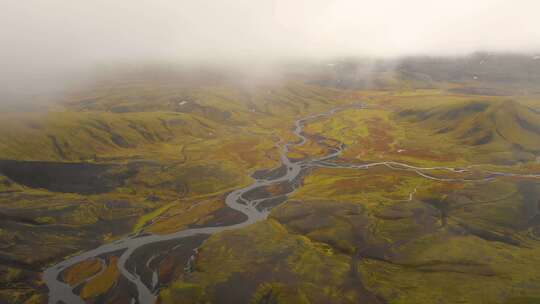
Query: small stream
[60,292]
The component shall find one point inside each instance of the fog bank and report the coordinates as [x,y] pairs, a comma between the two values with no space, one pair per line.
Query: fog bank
[44,43]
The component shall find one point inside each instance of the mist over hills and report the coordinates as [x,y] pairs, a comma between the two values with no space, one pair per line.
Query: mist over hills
[484,73]
[426,143]
[270,152]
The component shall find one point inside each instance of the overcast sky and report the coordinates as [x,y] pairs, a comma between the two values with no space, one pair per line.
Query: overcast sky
[39,37]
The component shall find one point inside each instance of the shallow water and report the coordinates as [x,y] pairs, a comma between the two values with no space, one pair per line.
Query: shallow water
[60,292]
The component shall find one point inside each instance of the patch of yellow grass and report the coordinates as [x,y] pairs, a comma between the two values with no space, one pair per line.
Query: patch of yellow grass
[81,271]
[103,282]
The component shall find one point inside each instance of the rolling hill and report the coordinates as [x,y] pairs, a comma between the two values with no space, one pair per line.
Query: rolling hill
[496,125]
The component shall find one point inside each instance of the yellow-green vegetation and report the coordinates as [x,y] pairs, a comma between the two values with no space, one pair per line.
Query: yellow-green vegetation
[12,274]
[36,299]
[179,217]
[450,269]
[112,160]
[7,185]
[152,158]
[79,272]
[452,242]
[102,282]
[348,126]
[434,128]
[147,218]
[375,135]
[240,260]
[373,187]
[400,237]
[503,131]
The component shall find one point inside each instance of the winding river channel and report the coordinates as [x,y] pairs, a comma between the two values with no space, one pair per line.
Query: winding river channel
[61,292]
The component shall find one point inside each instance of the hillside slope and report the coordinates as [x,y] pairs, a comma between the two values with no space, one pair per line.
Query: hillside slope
[490,126]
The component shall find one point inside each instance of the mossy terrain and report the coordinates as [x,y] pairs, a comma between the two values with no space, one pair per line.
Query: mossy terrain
[138,157]
[155,158]
[446,243]
[286,264]
[390,234]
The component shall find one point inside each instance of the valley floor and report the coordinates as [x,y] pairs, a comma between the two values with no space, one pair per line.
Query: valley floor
[435,197]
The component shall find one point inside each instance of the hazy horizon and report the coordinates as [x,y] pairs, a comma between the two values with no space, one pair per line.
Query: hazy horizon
[270,151]
[49,41]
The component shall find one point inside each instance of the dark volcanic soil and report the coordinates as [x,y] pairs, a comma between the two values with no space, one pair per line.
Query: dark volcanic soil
[165,258]
[222,217]
[83,178]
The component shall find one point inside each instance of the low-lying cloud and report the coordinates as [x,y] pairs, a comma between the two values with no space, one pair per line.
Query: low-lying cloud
[41,40]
